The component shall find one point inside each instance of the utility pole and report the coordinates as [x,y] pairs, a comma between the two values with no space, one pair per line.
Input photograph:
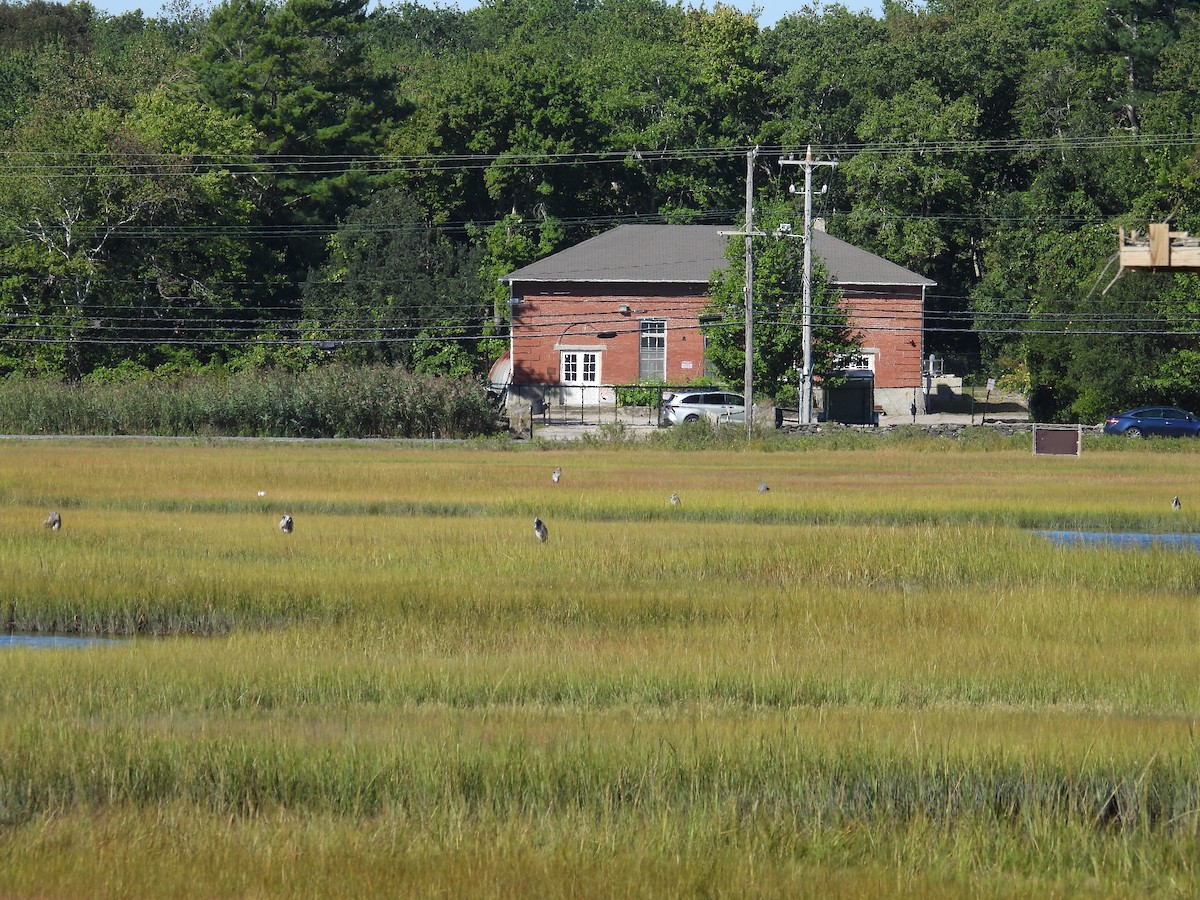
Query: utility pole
[748,391]
[806,373]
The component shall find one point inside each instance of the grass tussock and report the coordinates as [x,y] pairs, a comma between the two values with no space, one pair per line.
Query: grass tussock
[873,675]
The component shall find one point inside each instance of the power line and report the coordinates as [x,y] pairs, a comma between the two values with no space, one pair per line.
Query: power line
[275,333]
[25,162]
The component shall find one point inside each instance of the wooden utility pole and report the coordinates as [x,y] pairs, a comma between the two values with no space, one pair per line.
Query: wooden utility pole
[748,392]
[806,373]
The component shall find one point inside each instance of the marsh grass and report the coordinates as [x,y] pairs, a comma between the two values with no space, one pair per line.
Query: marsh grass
[318,856]
[873,675]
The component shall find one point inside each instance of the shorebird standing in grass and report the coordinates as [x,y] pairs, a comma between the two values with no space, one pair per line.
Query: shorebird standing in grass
[540,529]
[674,499]
[53,522]
[763,487]
[1175,503]
[556,474]
[286,524]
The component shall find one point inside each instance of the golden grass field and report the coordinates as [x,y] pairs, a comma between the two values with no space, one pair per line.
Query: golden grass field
[872,680]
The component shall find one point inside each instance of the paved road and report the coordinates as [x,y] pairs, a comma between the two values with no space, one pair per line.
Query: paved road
[562,424]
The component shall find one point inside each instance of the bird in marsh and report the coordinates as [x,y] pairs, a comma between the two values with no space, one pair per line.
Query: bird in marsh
[556,474]
[53,522]
[286,524]
[674,499]
[763,487]
[540,529]
[1175,504]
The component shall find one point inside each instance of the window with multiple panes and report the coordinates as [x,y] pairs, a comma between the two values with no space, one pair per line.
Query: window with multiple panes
[652,355]
[865,361]
[580,367]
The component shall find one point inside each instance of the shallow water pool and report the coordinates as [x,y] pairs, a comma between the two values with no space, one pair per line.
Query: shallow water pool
[52,641]
[1128,539]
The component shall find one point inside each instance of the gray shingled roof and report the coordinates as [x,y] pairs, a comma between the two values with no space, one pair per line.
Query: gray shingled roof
[688,254]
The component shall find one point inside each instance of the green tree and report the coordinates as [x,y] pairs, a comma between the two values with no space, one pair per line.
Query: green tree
[508,245]
[1173,373]
[902,188]
[183,273]
[297,72]
[511,117]
[819,79]
[70,181]
[29,33]
[119,231]
[723,46]
[1085,346]
[778,313]
[396,290]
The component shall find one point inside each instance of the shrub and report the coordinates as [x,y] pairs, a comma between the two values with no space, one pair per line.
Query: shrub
[375,401]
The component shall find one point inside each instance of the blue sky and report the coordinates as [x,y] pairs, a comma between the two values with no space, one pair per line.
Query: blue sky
[772,10]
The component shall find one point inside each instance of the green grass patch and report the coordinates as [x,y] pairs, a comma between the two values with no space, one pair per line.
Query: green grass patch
[873,676]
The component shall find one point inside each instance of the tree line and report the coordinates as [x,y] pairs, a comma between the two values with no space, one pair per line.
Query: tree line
[298,182]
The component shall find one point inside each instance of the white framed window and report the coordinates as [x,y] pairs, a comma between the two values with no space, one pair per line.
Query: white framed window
[579,367]
[862,361]
[652,353]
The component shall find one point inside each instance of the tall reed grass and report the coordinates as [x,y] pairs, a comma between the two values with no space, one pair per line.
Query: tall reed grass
[329,402]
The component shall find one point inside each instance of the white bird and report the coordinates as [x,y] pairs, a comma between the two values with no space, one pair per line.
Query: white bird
[53,522]
[674,499]
[556,474]
[540,529]
[1175,503]
[262,493]
[762,487]
[286,524]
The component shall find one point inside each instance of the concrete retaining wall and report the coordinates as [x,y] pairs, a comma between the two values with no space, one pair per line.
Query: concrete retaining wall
[937,429]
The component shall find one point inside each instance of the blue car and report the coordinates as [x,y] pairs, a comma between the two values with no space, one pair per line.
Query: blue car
[1161,421]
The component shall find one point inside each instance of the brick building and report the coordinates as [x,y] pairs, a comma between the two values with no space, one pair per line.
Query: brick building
[625,306]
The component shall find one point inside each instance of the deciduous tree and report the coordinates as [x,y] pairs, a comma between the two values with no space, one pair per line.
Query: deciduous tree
[778,312]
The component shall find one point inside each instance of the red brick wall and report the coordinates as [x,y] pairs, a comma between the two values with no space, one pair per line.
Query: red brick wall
[892,325]
[575,316]
[545,322]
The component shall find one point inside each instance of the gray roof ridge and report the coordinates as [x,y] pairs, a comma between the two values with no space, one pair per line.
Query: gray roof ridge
[655,253]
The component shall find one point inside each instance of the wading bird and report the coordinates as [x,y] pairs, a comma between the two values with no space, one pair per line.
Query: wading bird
[674,499]
[53,522]
[286,524]
[762,487]
[1175,503]
[556,474]
[540,529]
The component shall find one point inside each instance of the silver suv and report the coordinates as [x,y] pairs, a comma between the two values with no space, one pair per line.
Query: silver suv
[691,406]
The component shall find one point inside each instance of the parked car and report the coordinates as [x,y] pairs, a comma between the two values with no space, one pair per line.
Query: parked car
[1163,421]
[691,406]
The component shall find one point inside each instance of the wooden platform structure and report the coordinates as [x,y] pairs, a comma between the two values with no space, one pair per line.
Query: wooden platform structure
[1160,248]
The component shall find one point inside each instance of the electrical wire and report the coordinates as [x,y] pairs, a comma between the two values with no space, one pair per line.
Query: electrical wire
[69,163]
[1012,321]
